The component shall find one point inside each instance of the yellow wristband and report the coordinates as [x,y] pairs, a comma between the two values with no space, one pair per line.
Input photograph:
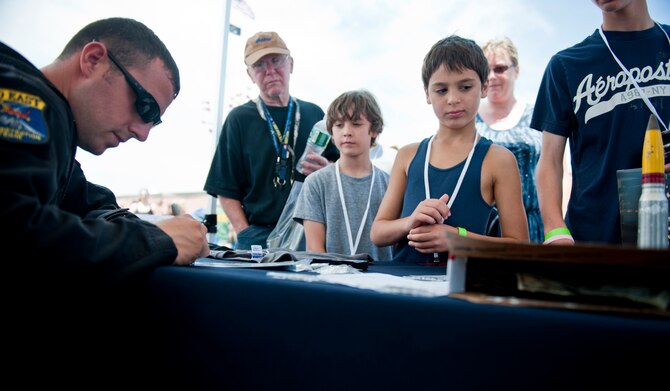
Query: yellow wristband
[462,231]
[557,231]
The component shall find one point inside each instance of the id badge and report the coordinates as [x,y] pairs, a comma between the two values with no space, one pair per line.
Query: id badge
[282,167]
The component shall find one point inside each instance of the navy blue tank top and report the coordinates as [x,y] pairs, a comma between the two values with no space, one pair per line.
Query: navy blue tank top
[469,210]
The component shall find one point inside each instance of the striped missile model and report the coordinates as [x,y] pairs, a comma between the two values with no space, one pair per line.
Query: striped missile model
[652,229]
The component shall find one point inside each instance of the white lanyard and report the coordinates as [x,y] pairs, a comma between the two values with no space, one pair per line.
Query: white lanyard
[453,195]
[630,76]
[353,246]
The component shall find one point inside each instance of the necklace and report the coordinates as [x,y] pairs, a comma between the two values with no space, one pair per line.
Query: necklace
[452,198]
[453,195]
[283,170]
[353,246]
[630,76]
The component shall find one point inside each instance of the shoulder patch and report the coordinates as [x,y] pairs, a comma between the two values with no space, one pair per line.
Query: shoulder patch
[21,117]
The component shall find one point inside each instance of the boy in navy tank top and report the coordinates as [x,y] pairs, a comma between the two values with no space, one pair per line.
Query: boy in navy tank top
[451,181]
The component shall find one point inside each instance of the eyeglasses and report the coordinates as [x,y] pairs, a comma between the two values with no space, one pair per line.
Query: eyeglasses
[500,69]
[275,62]
[145,104]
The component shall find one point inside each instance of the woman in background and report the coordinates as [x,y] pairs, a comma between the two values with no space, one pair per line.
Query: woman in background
[505,121]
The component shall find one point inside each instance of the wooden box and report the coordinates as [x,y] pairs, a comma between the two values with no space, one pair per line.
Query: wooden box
[583,277]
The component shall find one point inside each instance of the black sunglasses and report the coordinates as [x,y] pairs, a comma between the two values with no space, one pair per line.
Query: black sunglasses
[145,104]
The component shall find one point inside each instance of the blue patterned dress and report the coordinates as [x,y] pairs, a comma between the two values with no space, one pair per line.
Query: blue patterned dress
[525,143]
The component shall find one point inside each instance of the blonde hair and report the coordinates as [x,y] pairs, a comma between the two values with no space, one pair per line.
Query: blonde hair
[505,44]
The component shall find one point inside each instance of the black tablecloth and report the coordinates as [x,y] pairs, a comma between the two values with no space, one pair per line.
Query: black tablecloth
[240,329]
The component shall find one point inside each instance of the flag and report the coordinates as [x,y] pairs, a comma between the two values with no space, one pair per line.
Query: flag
[244,8]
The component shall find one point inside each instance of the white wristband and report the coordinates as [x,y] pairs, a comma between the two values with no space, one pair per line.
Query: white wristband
[559,237]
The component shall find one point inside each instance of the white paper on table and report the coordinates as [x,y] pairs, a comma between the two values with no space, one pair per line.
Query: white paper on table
[379,282]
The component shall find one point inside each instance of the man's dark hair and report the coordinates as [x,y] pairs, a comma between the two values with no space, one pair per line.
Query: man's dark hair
[132,43]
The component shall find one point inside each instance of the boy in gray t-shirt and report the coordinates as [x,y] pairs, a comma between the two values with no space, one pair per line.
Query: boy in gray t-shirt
[338,203]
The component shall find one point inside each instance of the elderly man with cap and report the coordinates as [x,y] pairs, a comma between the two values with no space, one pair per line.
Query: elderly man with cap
[253,169]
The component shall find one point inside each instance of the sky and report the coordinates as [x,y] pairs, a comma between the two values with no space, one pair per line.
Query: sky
[337,45]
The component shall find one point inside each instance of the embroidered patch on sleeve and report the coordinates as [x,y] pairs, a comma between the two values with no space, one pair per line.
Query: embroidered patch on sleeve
[21,117]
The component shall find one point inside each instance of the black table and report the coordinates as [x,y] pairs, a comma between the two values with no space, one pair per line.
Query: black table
[240,329]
